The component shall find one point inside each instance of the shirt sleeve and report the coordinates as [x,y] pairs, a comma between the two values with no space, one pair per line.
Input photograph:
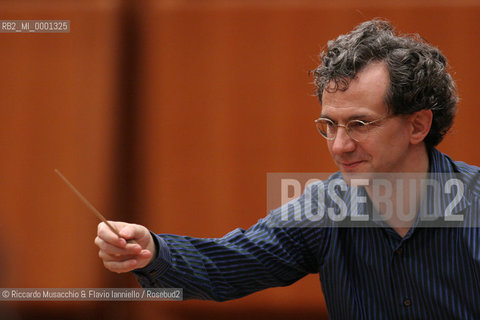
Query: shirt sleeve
[240,263]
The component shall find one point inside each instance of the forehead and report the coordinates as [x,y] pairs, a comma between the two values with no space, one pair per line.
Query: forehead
[365,95]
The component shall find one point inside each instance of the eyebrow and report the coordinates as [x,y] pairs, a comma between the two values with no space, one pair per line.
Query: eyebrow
[352,117]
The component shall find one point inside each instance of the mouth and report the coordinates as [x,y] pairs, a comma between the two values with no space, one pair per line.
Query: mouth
[350,165]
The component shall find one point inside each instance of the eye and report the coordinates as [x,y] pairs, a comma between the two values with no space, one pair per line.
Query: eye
[330,124]
[357,124]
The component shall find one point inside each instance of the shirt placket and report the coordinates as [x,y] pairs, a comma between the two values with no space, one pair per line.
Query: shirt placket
[402,295]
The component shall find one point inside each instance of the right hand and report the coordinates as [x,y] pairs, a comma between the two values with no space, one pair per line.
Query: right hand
[134,250]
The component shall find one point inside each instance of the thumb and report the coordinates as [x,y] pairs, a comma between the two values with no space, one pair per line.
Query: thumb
[132,232]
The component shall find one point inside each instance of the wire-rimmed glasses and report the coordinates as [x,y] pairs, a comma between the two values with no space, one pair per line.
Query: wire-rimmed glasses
[356,129]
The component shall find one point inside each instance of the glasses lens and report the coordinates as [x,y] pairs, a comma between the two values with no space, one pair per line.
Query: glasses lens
[358,129]
[326,128]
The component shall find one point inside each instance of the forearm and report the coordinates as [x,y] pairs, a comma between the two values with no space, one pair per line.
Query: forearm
[238,264]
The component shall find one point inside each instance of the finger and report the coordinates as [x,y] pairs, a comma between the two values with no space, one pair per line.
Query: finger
[146,254]
[129,248]
[120,264]
[107,235]
[143,256]
[106,257]
[120,267]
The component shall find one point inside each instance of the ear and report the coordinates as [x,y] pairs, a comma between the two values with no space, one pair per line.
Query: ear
[421,121]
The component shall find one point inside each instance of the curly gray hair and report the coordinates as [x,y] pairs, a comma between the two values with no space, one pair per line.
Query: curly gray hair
[418,72]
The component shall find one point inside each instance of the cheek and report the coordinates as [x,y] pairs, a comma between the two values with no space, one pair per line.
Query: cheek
[366,150]
[377,147]
[329,146]
[391,143]
[399,139]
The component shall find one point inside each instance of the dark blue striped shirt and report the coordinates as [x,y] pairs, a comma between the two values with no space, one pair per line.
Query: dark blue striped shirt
[366,273]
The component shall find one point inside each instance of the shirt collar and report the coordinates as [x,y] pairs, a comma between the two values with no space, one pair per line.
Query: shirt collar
[437,201]
[446,175]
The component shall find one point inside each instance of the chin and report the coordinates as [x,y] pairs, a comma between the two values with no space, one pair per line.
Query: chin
[349,176]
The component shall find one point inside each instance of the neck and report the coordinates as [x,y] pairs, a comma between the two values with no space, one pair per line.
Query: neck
[418,159]
[397,196]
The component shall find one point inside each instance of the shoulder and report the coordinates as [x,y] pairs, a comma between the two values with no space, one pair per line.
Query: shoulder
[470,176]
[467,173]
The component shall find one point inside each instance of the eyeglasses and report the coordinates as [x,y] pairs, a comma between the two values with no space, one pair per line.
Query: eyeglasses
[356,129]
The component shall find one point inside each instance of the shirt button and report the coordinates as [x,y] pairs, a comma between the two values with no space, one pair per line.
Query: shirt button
[407,302]
[399,251]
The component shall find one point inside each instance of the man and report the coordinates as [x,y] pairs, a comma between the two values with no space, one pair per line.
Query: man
[387,101]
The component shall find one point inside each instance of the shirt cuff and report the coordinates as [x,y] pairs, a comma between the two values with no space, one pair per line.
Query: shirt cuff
[147,275]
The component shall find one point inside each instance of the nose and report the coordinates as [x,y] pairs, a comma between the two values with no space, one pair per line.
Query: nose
[342,143]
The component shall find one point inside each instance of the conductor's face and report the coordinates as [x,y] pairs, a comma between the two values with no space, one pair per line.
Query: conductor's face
[362,147]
